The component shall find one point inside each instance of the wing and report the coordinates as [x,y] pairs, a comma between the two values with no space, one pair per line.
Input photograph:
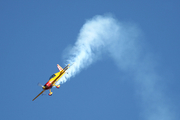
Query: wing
[38,95]
[59,67]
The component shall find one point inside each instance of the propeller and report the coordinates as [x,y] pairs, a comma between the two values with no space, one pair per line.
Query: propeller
[39,84]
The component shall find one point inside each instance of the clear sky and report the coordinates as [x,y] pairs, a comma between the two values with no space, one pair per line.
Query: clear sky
[37,35]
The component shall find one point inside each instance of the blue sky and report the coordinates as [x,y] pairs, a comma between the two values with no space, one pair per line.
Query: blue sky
[36,35]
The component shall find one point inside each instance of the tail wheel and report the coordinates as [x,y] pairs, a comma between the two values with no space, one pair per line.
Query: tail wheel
[58,86]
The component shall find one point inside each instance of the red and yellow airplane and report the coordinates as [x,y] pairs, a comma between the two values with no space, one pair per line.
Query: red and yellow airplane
[53,79]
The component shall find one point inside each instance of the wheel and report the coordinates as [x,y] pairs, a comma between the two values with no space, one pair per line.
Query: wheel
[58,86]
[50,94]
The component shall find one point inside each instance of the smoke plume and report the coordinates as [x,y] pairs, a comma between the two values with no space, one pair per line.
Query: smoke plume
[104,35]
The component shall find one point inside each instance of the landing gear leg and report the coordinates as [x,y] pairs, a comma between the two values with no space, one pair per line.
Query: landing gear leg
[50,93]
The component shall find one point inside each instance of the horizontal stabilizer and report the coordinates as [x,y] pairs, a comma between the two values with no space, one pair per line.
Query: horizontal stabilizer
[59,67]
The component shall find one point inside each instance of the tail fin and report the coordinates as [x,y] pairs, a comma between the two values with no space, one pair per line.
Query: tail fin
[59,67]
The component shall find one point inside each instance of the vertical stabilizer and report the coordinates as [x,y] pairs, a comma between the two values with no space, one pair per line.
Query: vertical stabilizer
[59,67]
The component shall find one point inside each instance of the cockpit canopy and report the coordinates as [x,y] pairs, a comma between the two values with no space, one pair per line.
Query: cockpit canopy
[52,76]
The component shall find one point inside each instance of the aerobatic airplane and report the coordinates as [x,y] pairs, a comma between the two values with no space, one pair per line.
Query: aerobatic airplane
[53,79]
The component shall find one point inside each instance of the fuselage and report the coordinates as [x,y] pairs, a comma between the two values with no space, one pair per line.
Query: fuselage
[52,80]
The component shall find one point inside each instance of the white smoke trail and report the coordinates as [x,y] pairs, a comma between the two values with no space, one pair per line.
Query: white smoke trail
[99,35]
[104,34]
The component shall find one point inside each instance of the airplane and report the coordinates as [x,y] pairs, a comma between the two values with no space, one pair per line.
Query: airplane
[52,80]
